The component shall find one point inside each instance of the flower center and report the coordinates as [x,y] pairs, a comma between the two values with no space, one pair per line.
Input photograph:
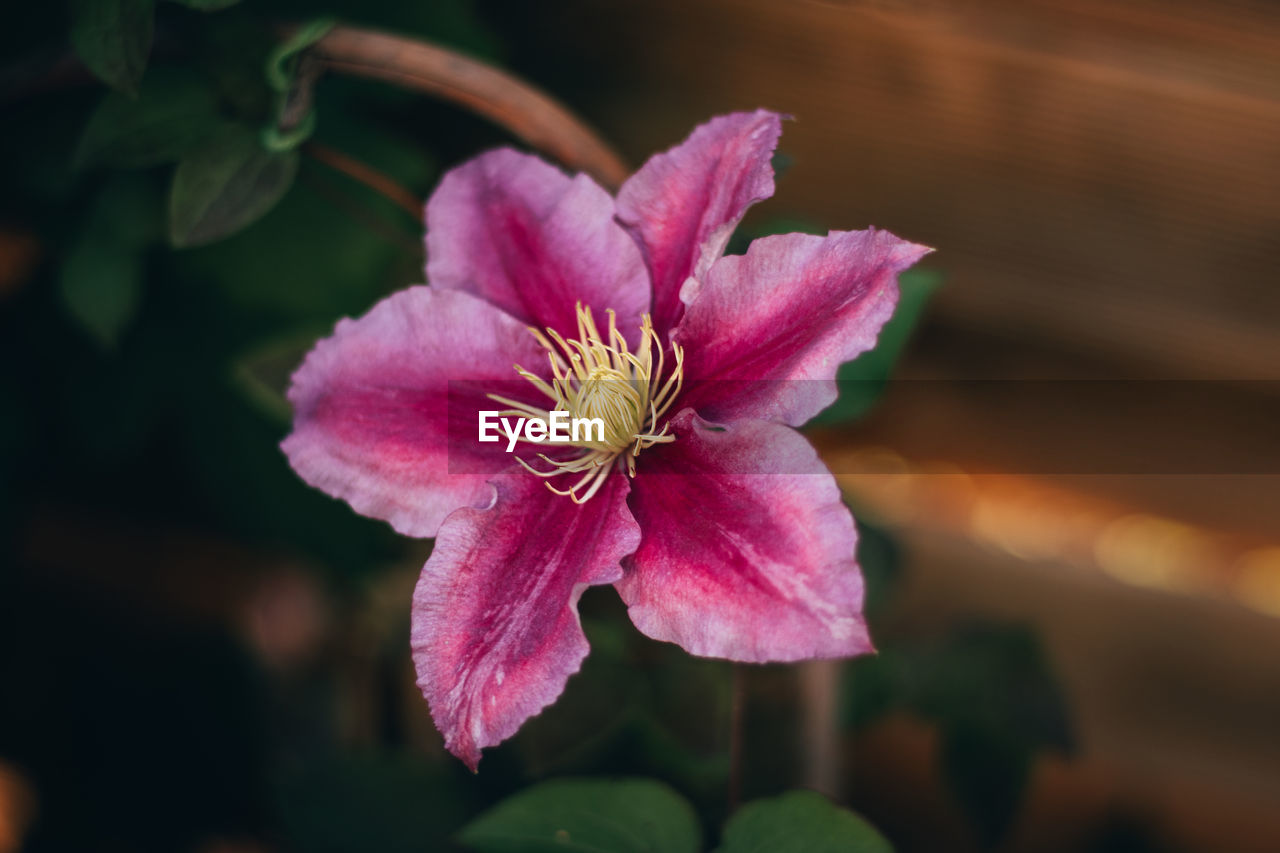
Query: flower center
[599,377]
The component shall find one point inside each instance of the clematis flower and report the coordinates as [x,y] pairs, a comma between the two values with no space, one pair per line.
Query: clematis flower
[712,517]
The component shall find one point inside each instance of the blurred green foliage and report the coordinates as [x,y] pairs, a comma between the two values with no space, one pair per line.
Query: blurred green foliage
[800,822]
[137,371]
[140,392]
[172,113]
[587,815]
[642,816]
[227,183]
[113,38]
[988,687]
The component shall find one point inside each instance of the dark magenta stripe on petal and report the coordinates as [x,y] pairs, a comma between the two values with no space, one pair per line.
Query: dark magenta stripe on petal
[385,409]
[523,235]
[683,204]
[765,332]
[746,550]
[495,622]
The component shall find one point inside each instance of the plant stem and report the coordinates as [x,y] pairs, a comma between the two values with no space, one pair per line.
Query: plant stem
[380,183]
[819,681]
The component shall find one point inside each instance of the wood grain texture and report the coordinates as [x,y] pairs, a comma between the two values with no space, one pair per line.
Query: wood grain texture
[1102,175]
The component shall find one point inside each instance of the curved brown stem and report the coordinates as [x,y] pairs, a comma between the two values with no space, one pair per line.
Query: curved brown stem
[520,108]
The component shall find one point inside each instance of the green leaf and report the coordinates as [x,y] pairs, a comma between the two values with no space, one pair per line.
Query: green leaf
[996,678]
[170,116]
[207,5]
[100,280]
[113,38]
[347,266]
[100,283]
[587,816]
[800,822]
[862,381]
[224,186]
[991,693]
[987,773]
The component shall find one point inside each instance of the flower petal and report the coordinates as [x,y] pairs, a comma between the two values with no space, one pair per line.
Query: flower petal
[495,622]
[765,332]
[746,550]
[683,204]
[520,233]
[383,417]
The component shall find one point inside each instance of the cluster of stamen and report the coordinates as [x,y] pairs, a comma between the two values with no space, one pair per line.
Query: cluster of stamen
[598,377]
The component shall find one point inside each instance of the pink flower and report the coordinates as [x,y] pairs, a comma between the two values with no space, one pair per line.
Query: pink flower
[712,517]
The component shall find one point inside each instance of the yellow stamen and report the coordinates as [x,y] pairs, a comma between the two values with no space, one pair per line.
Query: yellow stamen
[597,378]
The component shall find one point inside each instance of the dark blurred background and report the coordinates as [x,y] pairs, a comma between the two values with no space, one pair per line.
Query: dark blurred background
[1069,492]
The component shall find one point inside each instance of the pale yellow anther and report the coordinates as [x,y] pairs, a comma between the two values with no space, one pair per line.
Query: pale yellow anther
[595,378]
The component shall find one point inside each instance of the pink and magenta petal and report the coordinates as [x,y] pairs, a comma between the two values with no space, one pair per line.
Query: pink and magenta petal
[746,549]
[495,623]
[385,410]
[683,204]
[764,332]
[518,232]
